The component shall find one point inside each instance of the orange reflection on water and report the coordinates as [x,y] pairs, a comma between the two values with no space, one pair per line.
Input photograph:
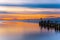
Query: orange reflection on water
[18,27]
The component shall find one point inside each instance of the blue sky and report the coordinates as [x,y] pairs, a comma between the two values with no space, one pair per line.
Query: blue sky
[29,1]
[35,3]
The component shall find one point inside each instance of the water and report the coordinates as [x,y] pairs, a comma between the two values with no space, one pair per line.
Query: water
[19,30]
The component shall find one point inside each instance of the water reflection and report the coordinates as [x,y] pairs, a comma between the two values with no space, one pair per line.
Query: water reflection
[11,30]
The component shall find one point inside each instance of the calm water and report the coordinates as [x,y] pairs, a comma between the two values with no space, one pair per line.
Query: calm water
[19,30]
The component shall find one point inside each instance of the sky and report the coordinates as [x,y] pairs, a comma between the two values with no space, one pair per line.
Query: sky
[28,1]
[29,8]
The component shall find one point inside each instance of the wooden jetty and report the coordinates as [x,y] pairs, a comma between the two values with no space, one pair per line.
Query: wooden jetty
[50,24]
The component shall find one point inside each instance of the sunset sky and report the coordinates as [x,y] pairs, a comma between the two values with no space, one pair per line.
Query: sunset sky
[26,13]
[28,9]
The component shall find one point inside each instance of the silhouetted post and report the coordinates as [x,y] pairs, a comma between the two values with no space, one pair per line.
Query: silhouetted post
[44,24]
[48,23]
[41,23]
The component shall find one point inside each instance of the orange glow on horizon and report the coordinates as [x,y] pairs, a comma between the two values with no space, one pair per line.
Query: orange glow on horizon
[26,16]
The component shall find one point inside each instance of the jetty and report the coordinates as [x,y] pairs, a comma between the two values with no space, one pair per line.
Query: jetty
[49,24]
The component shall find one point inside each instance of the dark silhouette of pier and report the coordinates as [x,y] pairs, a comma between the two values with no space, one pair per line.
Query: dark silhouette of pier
[49,24]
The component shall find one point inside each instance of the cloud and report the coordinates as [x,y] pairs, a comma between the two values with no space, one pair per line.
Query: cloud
[25,9]
[28,1]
